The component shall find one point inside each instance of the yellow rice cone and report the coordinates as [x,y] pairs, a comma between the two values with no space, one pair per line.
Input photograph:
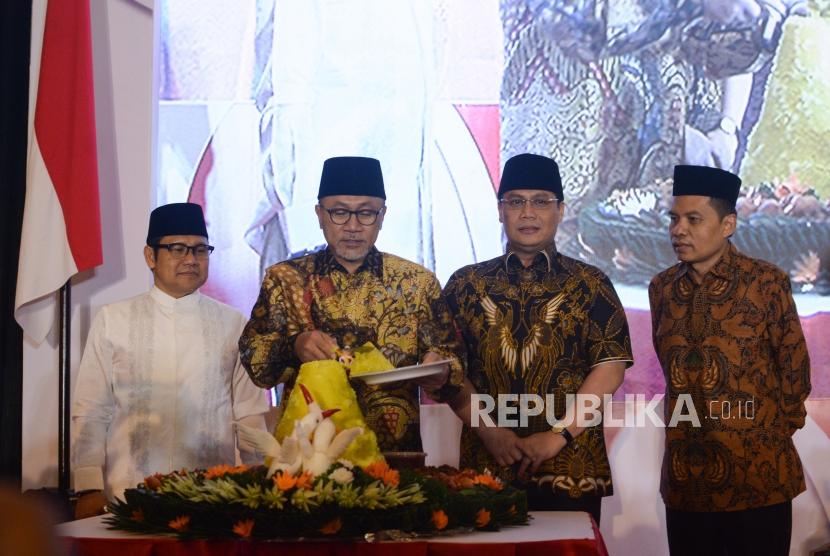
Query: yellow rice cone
[328,385]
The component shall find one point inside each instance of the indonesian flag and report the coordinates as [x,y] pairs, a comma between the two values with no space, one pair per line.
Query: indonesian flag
[61,219]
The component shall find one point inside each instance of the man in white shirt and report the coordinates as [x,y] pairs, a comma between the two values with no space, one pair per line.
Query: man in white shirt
[160,383]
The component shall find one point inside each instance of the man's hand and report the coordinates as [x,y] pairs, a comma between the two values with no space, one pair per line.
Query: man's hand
[314,345]
[538,448]
[724,147]
[433,382]
[697,149]
[715,149]
[90,504]
[503,444]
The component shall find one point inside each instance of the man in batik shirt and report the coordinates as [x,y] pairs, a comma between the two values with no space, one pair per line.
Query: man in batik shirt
[537,322]
[728,337]
[350,294]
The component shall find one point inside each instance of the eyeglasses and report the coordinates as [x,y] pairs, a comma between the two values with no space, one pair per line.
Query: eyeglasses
[180,250]
[340,216]
[518,203]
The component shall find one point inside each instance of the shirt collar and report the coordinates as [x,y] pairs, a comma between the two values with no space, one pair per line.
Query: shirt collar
[185,303]
[548,255]
[724,268]
[325,262]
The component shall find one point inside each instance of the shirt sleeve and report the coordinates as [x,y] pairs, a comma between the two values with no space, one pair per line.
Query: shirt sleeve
[436,333]
[266,347]
[607,337]
[93,408]
[248,398]
[790,352]
[255,422]
[654,309]
[452,297]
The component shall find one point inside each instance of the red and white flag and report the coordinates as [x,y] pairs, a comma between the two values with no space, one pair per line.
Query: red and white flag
[61,220]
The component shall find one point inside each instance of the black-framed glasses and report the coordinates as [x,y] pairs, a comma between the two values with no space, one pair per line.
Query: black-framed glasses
[537,203]
[366,217]
[180,250]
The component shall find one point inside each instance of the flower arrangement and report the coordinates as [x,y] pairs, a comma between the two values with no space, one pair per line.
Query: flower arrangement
[345,501]
[306,491]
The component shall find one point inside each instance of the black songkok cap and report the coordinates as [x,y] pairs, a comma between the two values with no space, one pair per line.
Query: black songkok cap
[707,182]
[351,175]
[531,171]
[176,219]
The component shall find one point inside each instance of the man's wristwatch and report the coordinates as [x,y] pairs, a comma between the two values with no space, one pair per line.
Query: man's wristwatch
[559,428]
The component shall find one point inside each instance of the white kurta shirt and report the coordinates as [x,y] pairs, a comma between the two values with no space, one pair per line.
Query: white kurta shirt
[159,387]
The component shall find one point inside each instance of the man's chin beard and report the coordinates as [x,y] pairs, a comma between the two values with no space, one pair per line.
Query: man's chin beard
[349,255]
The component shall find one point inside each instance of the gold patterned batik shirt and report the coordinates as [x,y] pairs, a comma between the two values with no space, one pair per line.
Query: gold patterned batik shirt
[733,346]
[389,301]
[540,330]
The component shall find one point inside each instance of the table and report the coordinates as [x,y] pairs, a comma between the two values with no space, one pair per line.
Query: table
[549,533]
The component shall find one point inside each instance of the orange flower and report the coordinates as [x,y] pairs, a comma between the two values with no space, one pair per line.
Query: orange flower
[487,480]
[218,471]
[465,482]
[512,510]
[304,481]
[376,469]
[482,518]
[244,528]
[381,470]
[284,481]
[153,482]
[332,527]
[138,515]
[391,477]
[180,523]
[440,519]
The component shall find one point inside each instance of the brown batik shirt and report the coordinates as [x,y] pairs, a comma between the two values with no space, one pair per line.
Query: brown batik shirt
[389,301]
[733,344]
[540,330]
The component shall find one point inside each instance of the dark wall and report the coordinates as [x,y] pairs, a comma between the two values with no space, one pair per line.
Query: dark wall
[15,27]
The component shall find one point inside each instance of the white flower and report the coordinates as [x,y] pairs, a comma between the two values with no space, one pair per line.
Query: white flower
[345,463]
[342,475]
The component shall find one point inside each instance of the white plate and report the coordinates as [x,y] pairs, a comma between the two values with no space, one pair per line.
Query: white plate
[404,373]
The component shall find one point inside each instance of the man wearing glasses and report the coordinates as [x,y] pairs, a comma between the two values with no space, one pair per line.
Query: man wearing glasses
[537,322]
[347,295]
[160,383]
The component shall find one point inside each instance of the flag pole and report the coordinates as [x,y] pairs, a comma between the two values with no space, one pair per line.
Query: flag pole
[64,390]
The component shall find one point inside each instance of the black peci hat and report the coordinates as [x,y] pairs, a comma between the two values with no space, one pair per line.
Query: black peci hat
[531,171]
[351,175]
[176,219]
[707,182]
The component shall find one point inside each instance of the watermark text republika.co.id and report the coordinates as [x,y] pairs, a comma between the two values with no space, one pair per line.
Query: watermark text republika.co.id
[588,410]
